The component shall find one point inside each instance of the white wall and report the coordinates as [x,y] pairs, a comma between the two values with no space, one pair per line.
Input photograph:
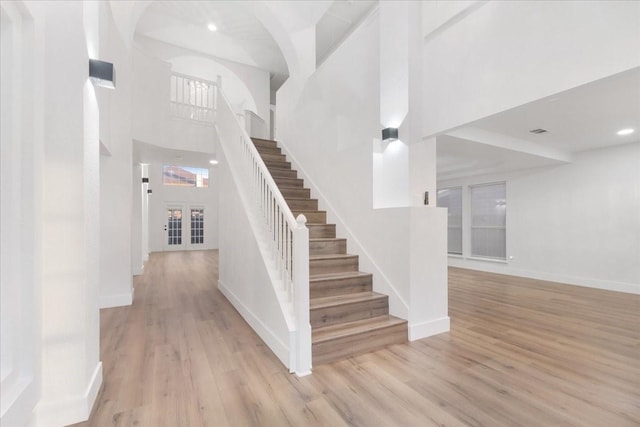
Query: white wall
[244,276]
[246,87]
[162,195]
[115,168]
[575,223]
[71,370]
[336,121]
[150,98]
[21,152]
[505,53]
[151,119]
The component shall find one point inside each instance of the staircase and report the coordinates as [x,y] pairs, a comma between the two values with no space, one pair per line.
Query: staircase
[347,317]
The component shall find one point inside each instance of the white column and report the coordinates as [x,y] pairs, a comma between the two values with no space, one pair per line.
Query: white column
[137,263]
[145,214]
[71,370]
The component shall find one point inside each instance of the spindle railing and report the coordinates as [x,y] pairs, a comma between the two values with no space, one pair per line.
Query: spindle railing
[192,98]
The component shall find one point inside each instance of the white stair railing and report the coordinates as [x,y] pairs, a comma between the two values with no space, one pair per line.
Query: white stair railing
[287,237]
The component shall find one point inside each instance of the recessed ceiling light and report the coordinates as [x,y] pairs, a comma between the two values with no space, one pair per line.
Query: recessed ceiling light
[213,162]
[627,131]
[212,27]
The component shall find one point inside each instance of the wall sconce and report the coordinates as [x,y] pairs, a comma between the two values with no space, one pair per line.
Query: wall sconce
[102,73]
[149,191]
[145,180]
[389,134]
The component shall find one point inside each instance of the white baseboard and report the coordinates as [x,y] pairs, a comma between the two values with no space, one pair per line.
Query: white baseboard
[426,329]
[608,285]
[137,271]
[19,397]
[109,301]
[69,410]
[272,341]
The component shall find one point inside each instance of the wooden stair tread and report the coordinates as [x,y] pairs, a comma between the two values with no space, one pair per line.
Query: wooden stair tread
[334,276]
[331,332]
[301,198]
[331,256]
[336,300]
[326,239]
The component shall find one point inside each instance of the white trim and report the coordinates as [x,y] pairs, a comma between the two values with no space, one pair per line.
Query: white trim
[71,410]
[137,271]
[108,301]
[18,401]
[486,259]
[429,328]
[607,285]
[273,342]
[93,388]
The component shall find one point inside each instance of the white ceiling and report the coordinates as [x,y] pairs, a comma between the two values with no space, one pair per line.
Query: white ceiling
[240,37]
[583,118]
[337,23]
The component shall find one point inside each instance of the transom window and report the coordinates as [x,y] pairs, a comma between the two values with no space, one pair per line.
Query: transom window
[185,176]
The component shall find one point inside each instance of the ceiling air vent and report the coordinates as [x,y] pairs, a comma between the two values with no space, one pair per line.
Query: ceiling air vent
[537,131]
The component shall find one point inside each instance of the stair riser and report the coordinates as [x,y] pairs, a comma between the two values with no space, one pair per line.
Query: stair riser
[351,285]
[263,143]
[307,205]
[322,231]
[349,312]
[298,193]
[343,347]
[313,217]
[288,182]
[283,173]
[269,150]
[274,157]
[327,266]
[271,165]
[329,247]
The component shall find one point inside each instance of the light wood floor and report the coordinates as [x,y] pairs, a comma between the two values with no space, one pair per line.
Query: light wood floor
[520,353]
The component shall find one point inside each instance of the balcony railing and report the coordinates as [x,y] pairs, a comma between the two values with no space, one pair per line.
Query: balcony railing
[192,99]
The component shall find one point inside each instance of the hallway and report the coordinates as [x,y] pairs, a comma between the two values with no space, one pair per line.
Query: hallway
[520,352]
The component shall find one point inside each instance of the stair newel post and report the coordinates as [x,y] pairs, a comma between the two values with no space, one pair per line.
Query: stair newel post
[301,295]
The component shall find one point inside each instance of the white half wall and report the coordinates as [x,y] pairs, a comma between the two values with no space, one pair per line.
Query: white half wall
[575,223]
[244,276]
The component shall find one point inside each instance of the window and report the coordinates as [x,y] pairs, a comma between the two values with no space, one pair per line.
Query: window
[185,176]
[197,226]
[488,220]
[174,226]
[451,198]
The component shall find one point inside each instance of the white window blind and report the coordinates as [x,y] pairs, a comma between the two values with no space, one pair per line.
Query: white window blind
[488,220]
[451,198]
